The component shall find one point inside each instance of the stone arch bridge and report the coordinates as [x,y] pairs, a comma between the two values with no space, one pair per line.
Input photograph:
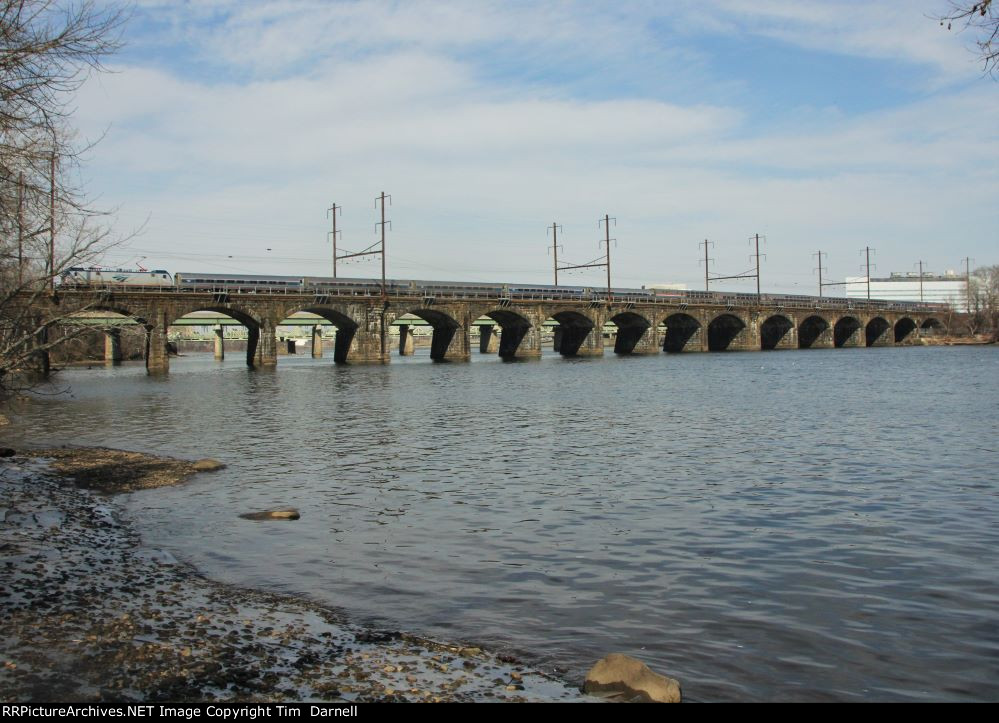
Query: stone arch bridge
[514,327]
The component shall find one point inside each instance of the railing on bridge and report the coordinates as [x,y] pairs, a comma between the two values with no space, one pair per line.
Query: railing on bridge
[677,298]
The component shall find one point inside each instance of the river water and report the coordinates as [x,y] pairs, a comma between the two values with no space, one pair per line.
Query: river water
[804,525]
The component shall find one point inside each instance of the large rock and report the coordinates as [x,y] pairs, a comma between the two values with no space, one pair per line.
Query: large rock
[289,513]
[7,452]
[207,465]
[622,676]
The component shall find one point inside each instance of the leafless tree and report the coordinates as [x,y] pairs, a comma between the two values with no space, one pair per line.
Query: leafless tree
[981,17]
[48,48]
[984,301]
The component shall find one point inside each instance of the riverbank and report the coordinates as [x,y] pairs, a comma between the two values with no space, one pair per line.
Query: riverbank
[90,614]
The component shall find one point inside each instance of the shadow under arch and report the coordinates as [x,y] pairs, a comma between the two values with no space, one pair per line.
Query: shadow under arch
[810,329]
[444,326]
[722,331]
[680,329]
[876,327]
[903,327]
[844,330]
[572,330]
[933,324]
[631,327]
[773,330]
[513,328]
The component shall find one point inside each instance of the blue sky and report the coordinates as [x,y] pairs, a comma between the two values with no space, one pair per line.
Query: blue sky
[230,127]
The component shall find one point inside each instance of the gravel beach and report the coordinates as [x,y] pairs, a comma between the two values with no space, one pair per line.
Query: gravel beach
[89,614]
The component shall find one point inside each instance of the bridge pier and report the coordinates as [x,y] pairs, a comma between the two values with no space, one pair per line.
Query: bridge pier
[459,345]
[648,341]
[219,343]
[368,347]
[815,332]
[157,359]
[878,332]
[824,340]
[41,363]
[317,342]
[407,345]
[112,346]
[266,345]
[369,343]
[593,342]
[848,332]
[518,341]
[489,342]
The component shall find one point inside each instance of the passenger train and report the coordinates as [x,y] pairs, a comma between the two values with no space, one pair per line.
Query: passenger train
[203,282]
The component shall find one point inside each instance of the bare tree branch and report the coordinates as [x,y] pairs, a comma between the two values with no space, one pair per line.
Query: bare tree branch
[48,48]
[981,17]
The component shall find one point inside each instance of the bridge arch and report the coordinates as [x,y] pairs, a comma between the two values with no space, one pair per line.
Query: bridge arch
[723,330]
[126,329]
[514,327]
[346,328]
[773,330]
[572,331]
[845,332]
[812,331]
[631,328]
[445,327]
[875,331]
[903,328]
[682,333]
[932,323]
[253,325]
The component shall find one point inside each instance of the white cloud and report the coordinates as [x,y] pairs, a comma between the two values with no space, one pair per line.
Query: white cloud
[231,166]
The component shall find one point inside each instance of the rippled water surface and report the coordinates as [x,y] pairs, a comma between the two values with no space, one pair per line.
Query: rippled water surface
[809,525]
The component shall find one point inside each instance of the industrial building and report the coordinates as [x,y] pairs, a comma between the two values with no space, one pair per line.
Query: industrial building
[947,288]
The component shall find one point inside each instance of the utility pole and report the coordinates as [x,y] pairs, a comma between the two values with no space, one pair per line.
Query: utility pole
[607,240]
[867,251]
[597,263]
[757,255]
[706,262]
[746,275]
[20,229]
[52,195]
[554,247]
[967,280]
[381,199]
[333,209]
[819,253]
[378,247]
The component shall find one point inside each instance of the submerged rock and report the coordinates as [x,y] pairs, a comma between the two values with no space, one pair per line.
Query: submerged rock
[622,676]
[285,514]
[207,465]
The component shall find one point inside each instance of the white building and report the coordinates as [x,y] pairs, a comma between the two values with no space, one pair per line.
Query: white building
[949,288]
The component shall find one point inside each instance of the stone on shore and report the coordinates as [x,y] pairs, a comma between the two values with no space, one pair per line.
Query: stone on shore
[289,513]
[4,421]
[207,465]
[7,452]
[621,676]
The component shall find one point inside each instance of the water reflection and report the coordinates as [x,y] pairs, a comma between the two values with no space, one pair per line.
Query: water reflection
[783,526]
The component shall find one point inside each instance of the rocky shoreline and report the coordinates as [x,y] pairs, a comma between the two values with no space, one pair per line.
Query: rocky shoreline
[89,614]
